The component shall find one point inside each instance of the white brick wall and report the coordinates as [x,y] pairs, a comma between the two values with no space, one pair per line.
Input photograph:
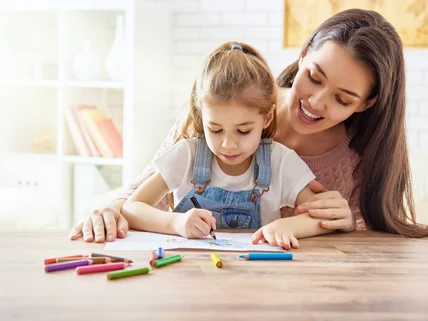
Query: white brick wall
[201,25]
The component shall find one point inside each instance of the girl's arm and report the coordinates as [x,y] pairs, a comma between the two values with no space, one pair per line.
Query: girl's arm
[285,232]
[141,215]
[139,208]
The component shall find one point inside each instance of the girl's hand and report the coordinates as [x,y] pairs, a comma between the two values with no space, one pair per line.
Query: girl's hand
[329,206]
[277,233]
[195,223]
[105,224]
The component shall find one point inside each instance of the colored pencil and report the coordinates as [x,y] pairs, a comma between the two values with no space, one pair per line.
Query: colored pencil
[96,259]
[216,260]
[167,260]
[152,257]
[159,254]
[267,256]
[197,205]
[101,268]
[113,258]
[54,259]
[127,273]
[67,265]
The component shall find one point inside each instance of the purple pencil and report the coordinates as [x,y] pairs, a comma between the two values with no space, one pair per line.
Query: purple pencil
[67,265]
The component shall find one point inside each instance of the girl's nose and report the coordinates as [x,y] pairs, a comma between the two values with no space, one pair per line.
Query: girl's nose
[229,143]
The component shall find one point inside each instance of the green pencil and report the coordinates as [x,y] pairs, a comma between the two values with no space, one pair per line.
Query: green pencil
[126,273]
[167,260]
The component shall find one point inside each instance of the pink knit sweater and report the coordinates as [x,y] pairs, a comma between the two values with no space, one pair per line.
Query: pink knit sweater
[332,169]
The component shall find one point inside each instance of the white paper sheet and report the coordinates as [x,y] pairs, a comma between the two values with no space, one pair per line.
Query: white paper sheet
[145,241]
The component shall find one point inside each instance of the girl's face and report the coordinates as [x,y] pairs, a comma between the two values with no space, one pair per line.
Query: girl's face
[329,87]
[233,132]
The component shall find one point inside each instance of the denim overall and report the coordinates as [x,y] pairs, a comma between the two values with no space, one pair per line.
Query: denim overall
[231,209]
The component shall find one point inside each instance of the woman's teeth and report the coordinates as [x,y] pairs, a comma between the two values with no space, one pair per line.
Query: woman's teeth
[308,113]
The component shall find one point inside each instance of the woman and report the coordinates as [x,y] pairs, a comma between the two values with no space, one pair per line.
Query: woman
[342,109]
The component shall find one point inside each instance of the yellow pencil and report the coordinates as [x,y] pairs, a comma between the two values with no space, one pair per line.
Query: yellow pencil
[216,260]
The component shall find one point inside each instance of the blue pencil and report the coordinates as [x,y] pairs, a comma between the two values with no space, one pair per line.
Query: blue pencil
[159,254]
[267,256]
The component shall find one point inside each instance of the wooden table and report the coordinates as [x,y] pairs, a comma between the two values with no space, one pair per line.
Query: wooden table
[355,276]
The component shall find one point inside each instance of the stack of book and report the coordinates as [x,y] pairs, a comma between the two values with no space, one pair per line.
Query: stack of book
[93,132]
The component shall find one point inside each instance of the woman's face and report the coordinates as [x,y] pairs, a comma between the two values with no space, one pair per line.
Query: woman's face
[329,87]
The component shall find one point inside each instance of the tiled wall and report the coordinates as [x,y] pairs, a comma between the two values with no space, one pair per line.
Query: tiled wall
[201,25]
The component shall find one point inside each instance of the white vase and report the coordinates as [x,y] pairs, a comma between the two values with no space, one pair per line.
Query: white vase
[86,65]
[115,61]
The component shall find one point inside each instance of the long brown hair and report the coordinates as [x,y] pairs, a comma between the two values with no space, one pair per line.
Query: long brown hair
[232,75]
[378,133]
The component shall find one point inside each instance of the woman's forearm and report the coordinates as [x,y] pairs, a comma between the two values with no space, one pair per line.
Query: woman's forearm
[143,217]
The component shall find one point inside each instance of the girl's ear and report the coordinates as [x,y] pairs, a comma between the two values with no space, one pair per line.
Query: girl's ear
[269,118]
[369,103]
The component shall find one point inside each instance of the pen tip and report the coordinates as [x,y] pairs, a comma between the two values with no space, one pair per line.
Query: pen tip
[214,237]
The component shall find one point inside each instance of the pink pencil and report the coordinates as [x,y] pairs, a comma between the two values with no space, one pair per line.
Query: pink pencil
[101,268]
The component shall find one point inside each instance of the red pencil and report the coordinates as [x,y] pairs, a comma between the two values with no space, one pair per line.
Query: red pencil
[101,268]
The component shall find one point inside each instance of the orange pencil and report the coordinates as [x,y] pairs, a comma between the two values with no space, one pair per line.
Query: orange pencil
[97,260]
[54,259]
[153,257]
[101,268]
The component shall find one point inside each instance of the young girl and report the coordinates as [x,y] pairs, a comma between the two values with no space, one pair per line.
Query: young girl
[227,159]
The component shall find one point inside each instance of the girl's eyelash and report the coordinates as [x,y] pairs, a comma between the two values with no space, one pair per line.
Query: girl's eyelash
[244,133]
[312,79]
[216,131]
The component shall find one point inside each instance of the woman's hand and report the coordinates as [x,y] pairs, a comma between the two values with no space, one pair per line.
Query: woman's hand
[277,233]
[105,224]
[328,205]
[195,223]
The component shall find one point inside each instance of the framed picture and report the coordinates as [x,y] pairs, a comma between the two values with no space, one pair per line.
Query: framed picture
[409,17]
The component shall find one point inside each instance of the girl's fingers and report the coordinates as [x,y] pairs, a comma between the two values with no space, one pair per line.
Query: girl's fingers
[294,242]
[257,236]
[269,237]
[285,242]
[76,231]
[331,213]
[202,226]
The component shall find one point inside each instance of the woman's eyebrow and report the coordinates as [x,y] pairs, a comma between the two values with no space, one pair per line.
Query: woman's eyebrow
[342,89]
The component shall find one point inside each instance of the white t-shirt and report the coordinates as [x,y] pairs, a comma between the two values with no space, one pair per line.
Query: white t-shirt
[290,175]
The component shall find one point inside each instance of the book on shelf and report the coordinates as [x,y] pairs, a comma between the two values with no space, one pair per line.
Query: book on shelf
[99,132]
[78,117]
[76,134]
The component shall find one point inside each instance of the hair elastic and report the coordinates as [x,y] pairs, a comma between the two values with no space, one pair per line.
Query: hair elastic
[237,47]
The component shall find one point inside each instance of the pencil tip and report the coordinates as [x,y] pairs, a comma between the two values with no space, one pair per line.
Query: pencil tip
[241,256]
[214,237]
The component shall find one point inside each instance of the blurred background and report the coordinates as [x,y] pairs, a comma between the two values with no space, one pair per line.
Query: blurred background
[89,89]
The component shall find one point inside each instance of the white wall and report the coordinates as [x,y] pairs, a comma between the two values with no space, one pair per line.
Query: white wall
[201,25]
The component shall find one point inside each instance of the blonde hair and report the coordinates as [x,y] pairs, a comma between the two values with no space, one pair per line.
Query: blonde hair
[230,74]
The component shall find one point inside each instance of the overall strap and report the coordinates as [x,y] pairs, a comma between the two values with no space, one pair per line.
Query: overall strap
[263,167]
[202,166]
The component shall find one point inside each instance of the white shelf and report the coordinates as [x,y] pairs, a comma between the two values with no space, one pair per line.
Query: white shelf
[30,83]
[92,160]
[94,84]
[56,30]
